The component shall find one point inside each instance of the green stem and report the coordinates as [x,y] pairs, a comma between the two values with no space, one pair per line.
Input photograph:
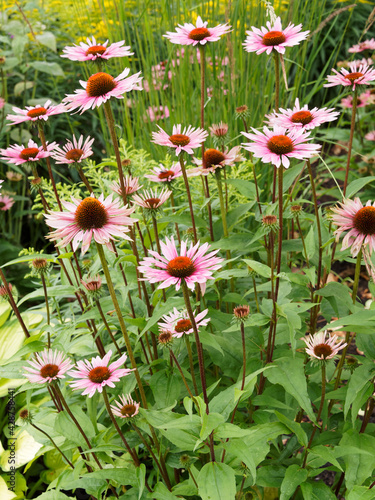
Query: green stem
[156,234]
[319,412]
[14,305]
[191,363]
[53,443]
[47,306]
[181,373]
[200,357]
[44,144]
[121,321]
[184,175]
[107,326]
[352,127]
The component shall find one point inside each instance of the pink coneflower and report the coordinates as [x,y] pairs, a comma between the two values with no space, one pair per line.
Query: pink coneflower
[164,174]
[362,100]
[91,51]
[241,313]
[93,376]
[178,322]
[2,103]
[361,74]
[151,200]
[188,34]
[322,346]
[100,87]
[219,130]
[100,218]
[127,408]
[187,140]
[19,154]
[278,145]
[35,113]
[48,366]
[192,265]
[93,285]
[365,45]
[4,292]
[302,117]
[213,159]
[6,202]
[74,152]
[273,38]
[370,136]
[359,220]
[131,185]
[155,113]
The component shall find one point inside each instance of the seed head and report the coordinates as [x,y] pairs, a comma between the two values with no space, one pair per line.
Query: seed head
[165,338]
[270,223]
[242,112]
[241,313]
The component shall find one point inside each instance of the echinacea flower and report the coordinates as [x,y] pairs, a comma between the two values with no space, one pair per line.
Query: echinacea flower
[126,408]
[188,34]
[302,117]
[190,265]
[186,140]
[362,100]
[131,185]
[99,88]
[365,45]
[219,129]
[4,295]
[91,50]
[273,37]
[241,313]
[155,113]
[74,152]
[359,220]
[19,154]
[278,145]
[93,376]
[213,159]
[164,174]
[6,202]
[178,322]
[151,200]
[100,218]
[322,345]
[35,113]
[48,366]
[361,74]
[370,136]
[93,285]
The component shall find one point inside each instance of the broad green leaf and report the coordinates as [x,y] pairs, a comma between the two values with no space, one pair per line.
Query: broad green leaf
[166,388]
[4,312]
[360,493]
[294,476]
[51,68]
[324,453]
[47,39]
[161,492]
[317,491]
[295,427]
[358,184]
[360,377]
[259,268]
[246,188]
[290,373]
[25,450]
[5,494]
[21,87]
[52,495]
[359,459]
[216,481]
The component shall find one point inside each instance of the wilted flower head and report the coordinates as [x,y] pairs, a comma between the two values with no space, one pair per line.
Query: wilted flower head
[219,130]
[165,338]
[241,313]
[152,200]
[126,408]
[270,222]
[3,291]
[365,45]
[131,185]
[322,346]
[165,174]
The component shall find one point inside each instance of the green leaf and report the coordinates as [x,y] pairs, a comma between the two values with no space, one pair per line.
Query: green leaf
[324,453]
[216,481]
[358,452]
[52,495]
[166,388]
[358,184]
[47,39]
[259,268]
[294,476]
[295,427]
[21,87]
[51,68]
[360,493]
[246,188]
[358,380]
[290,373]
[317,491]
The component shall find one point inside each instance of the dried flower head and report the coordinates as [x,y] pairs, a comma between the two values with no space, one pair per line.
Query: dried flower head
[241,313]
[40,266]
[296,210]
[3,292]
[270,222]
[165,338]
